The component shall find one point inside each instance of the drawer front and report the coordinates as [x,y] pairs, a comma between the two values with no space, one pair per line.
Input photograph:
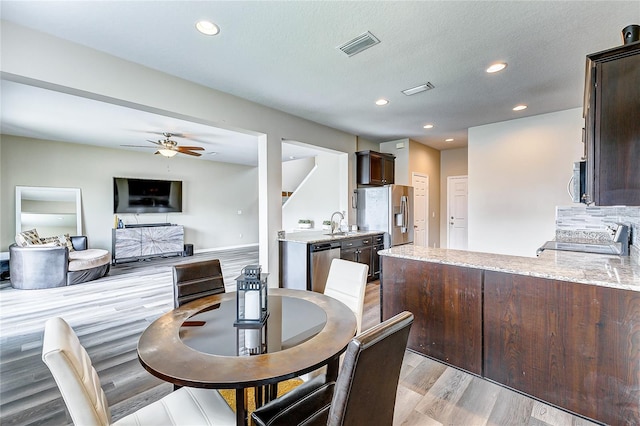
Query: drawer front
[356,242]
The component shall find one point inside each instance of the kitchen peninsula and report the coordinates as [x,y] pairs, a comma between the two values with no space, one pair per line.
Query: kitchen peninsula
[563,327]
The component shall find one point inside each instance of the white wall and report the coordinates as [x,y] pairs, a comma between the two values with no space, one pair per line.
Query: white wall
[295,171]
[320,194]
[518,173]
[213,192]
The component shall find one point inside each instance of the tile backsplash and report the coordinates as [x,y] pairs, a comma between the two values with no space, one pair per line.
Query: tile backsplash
[592,222]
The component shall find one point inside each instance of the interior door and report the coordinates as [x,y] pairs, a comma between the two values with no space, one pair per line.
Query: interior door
[457,200]
[420,185]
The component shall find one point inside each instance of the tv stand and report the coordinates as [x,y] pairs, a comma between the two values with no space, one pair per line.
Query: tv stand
[145,242]
[146,225]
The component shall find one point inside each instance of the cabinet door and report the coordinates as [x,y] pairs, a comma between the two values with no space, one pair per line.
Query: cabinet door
[573,345]
[365,256]
[376,169]
[447,305]
[349,254]
[613,127]
[388,170]
[375,261]
[162,239]
[126,243]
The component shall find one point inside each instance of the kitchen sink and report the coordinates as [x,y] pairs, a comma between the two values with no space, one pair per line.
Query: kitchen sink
[337,234]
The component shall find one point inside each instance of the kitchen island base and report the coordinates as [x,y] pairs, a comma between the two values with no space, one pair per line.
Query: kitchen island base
[573,345]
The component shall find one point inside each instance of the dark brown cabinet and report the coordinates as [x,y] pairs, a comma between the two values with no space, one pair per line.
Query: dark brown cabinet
[378,244]
[612,126]
[573,345]
[359,250]
[447,303]
[570,344]
[375,168]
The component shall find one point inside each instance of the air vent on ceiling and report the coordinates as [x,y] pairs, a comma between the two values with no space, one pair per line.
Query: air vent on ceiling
[418,89]
[358,44]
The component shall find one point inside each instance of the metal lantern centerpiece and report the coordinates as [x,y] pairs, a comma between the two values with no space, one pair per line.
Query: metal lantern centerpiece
[251,310]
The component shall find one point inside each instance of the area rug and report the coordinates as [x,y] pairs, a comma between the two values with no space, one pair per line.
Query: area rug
[229,395]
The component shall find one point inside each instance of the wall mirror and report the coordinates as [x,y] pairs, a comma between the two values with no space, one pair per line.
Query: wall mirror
[51,211]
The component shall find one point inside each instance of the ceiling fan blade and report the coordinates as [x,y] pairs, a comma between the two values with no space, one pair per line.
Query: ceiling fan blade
[155,142]
[139,146]
[191,148]
[195,154]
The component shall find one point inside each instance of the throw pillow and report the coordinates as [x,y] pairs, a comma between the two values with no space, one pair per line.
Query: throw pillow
[65,240]
[28,238]
[60,240]
[50,241]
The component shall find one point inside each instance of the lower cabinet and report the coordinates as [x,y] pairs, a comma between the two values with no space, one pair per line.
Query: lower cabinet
[378,245]
[147,241]
[576,346]
[362,250]
[573,345]
[447,305]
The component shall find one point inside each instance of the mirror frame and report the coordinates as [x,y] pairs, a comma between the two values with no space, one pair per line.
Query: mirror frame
[74,192]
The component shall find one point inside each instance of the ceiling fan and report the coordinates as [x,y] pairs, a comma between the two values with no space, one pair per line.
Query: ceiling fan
[169,147]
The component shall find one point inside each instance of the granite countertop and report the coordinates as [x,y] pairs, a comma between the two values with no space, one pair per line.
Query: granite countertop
[311,237]
[621,272]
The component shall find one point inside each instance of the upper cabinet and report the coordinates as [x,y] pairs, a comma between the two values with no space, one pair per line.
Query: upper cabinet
[375,168]
[612,126]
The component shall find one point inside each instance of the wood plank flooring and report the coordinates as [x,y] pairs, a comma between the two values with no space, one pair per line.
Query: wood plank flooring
[110,314]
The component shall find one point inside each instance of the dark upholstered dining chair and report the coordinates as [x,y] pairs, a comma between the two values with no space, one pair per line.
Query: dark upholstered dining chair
[194,280]
[364,392]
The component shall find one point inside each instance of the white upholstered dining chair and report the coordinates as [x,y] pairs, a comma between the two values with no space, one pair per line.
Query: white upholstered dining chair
[86,402]
[347,282]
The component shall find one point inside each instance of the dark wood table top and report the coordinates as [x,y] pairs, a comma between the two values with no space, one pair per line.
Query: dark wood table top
[191,356]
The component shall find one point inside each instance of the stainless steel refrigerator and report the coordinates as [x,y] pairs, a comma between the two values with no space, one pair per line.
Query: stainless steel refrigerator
[389,209]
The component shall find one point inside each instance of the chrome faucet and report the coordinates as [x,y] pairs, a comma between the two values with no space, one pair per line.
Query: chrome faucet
[333,224]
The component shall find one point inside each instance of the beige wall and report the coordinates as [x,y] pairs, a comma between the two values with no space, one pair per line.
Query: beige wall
[412,156]
[35,58]
[453,162]
[213,192]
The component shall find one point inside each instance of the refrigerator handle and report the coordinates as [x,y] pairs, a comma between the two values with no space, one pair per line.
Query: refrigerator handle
[405,211]
[354,200]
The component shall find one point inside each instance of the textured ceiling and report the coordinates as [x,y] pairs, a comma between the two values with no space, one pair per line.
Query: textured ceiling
[284,55]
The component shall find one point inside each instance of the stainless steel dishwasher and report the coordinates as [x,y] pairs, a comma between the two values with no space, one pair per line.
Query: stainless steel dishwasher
[321,256]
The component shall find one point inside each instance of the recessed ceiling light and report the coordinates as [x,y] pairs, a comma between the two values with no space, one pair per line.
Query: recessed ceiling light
[381,102]
[519,107]
[449,140]
[498,66]
[213,153]
[207,27]
[428,126]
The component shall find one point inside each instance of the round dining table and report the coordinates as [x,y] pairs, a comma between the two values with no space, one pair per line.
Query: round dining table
[197,344]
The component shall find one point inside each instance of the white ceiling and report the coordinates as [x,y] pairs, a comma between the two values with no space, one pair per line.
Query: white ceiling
[283,54]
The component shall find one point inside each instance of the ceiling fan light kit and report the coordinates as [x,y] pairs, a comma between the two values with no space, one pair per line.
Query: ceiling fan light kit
[167,152]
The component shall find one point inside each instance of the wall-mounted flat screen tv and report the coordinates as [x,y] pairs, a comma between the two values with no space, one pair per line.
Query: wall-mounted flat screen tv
[146,195]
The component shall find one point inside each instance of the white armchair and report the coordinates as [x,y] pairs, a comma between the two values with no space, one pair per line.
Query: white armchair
[80,386]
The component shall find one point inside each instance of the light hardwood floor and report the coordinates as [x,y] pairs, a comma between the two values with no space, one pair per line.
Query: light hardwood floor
[110,314]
